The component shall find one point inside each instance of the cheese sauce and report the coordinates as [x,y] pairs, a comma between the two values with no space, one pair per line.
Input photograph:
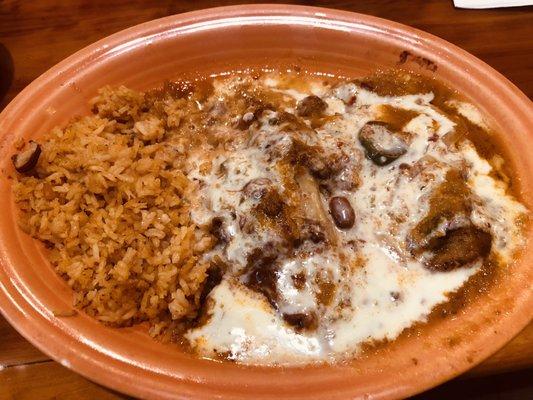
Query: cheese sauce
[324,198]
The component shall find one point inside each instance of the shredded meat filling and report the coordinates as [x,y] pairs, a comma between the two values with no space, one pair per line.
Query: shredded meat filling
[446,231]
[451,202]
[458,248]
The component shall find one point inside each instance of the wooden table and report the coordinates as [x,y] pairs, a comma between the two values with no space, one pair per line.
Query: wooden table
[35,35]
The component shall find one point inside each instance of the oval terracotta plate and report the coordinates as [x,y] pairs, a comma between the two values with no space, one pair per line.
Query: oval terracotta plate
[233,38]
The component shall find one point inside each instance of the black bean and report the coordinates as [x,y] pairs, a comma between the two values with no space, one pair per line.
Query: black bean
[342,212]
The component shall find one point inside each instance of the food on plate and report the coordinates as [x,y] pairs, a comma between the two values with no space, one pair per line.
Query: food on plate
[275,217]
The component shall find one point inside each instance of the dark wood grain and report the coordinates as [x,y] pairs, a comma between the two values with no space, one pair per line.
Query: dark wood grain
[49,380]
[509,386]
[35,35]
[14,349]
[38,34]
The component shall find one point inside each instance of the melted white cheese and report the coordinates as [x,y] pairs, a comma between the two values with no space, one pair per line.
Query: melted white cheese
[469,111]
[389,295]
[384,289]
[243,323]
[495,210]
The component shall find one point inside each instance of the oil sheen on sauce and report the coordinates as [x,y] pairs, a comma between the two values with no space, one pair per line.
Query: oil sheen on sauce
[296,288]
